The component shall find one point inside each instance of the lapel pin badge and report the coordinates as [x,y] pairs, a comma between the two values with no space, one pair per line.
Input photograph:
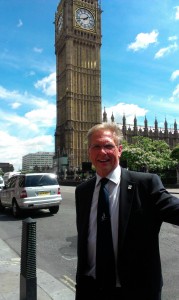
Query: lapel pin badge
[129,187]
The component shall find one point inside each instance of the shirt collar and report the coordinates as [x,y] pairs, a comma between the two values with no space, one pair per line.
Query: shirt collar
[114,176]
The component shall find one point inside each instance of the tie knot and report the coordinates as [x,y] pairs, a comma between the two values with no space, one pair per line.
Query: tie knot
[104,181]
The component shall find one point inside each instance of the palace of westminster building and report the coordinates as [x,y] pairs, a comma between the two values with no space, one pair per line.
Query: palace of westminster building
[169,135]
[78,82]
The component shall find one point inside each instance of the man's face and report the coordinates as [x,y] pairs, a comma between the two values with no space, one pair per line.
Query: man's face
[103,152]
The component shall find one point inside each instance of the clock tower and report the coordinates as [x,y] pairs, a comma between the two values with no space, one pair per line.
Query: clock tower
[78,77]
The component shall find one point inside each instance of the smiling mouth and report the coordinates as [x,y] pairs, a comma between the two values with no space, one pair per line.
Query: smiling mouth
[103,160]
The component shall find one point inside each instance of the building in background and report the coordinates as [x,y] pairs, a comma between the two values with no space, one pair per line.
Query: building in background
[169,135]
[78,78]
[39,161]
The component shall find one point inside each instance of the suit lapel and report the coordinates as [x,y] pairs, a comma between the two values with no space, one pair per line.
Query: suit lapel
[127,188]
[88,195]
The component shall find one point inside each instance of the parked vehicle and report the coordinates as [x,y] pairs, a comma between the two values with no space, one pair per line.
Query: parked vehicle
[1,183]
[31,191]
[8,175]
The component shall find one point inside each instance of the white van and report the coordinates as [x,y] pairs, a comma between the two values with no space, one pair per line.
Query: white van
[9,175]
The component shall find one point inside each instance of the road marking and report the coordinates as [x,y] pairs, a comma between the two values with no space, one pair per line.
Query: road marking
[67,258]
[69,282]
[12,261]
[16,259]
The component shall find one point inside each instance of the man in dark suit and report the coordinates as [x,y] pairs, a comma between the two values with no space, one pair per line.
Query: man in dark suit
[138,204]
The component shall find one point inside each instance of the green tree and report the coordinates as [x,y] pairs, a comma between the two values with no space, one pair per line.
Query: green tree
[175,153]
[154,155]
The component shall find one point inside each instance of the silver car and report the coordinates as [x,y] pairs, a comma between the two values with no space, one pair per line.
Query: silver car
[31,191]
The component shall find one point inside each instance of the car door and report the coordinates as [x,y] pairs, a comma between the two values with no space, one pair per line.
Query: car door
[4,192]
[8,191]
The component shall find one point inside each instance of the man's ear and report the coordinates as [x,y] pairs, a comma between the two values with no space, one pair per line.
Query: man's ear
[120,150]
[89,152]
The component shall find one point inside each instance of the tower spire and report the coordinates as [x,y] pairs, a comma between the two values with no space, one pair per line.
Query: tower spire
[105,119]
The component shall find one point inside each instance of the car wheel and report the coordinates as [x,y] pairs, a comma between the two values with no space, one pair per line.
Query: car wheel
[2,208]
[15,209]
[54,209]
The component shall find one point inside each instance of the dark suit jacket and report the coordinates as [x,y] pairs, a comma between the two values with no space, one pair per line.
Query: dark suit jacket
[143,205]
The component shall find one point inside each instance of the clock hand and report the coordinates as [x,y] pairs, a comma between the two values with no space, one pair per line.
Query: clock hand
[84,18]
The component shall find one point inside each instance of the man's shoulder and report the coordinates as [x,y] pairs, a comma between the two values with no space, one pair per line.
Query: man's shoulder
[135,175]
[87,183]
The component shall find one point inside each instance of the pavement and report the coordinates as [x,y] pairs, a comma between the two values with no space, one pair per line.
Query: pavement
[48,287]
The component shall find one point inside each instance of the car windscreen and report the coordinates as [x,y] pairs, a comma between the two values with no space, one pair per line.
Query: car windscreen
[40,180]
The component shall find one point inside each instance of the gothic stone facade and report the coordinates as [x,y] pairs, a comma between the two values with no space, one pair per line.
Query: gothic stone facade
[170,136]
[78,71]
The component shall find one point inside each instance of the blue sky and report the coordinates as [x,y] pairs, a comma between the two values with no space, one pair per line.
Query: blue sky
[139,68]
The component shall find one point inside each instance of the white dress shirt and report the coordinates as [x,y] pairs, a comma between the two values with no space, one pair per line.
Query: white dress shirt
[113,187]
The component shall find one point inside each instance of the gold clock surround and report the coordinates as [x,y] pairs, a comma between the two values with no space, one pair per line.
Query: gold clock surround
[84,18]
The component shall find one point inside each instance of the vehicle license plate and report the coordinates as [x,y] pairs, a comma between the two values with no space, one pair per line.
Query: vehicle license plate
[43,193]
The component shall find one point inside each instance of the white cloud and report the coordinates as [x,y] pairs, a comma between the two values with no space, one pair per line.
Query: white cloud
[20,23]
[173,38]
[48,84]
[174,75]
[32,122]
[177,12]
[13,148]
[165,51]
[44,117]
[143,40]
[15,105]
[5,94]
[176,92]
[24,98]
[28,132]
[38,50]
[161,52]
[18,124]
[130,111]
[31,73]
[175,95]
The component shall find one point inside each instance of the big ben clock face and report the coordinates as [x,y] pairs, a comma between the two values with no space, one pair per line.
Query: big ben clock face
[84,18]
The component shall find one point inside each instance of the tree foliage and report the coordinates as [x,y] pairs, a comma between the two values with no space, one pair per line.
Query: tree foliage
[175,153]
[145,153]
